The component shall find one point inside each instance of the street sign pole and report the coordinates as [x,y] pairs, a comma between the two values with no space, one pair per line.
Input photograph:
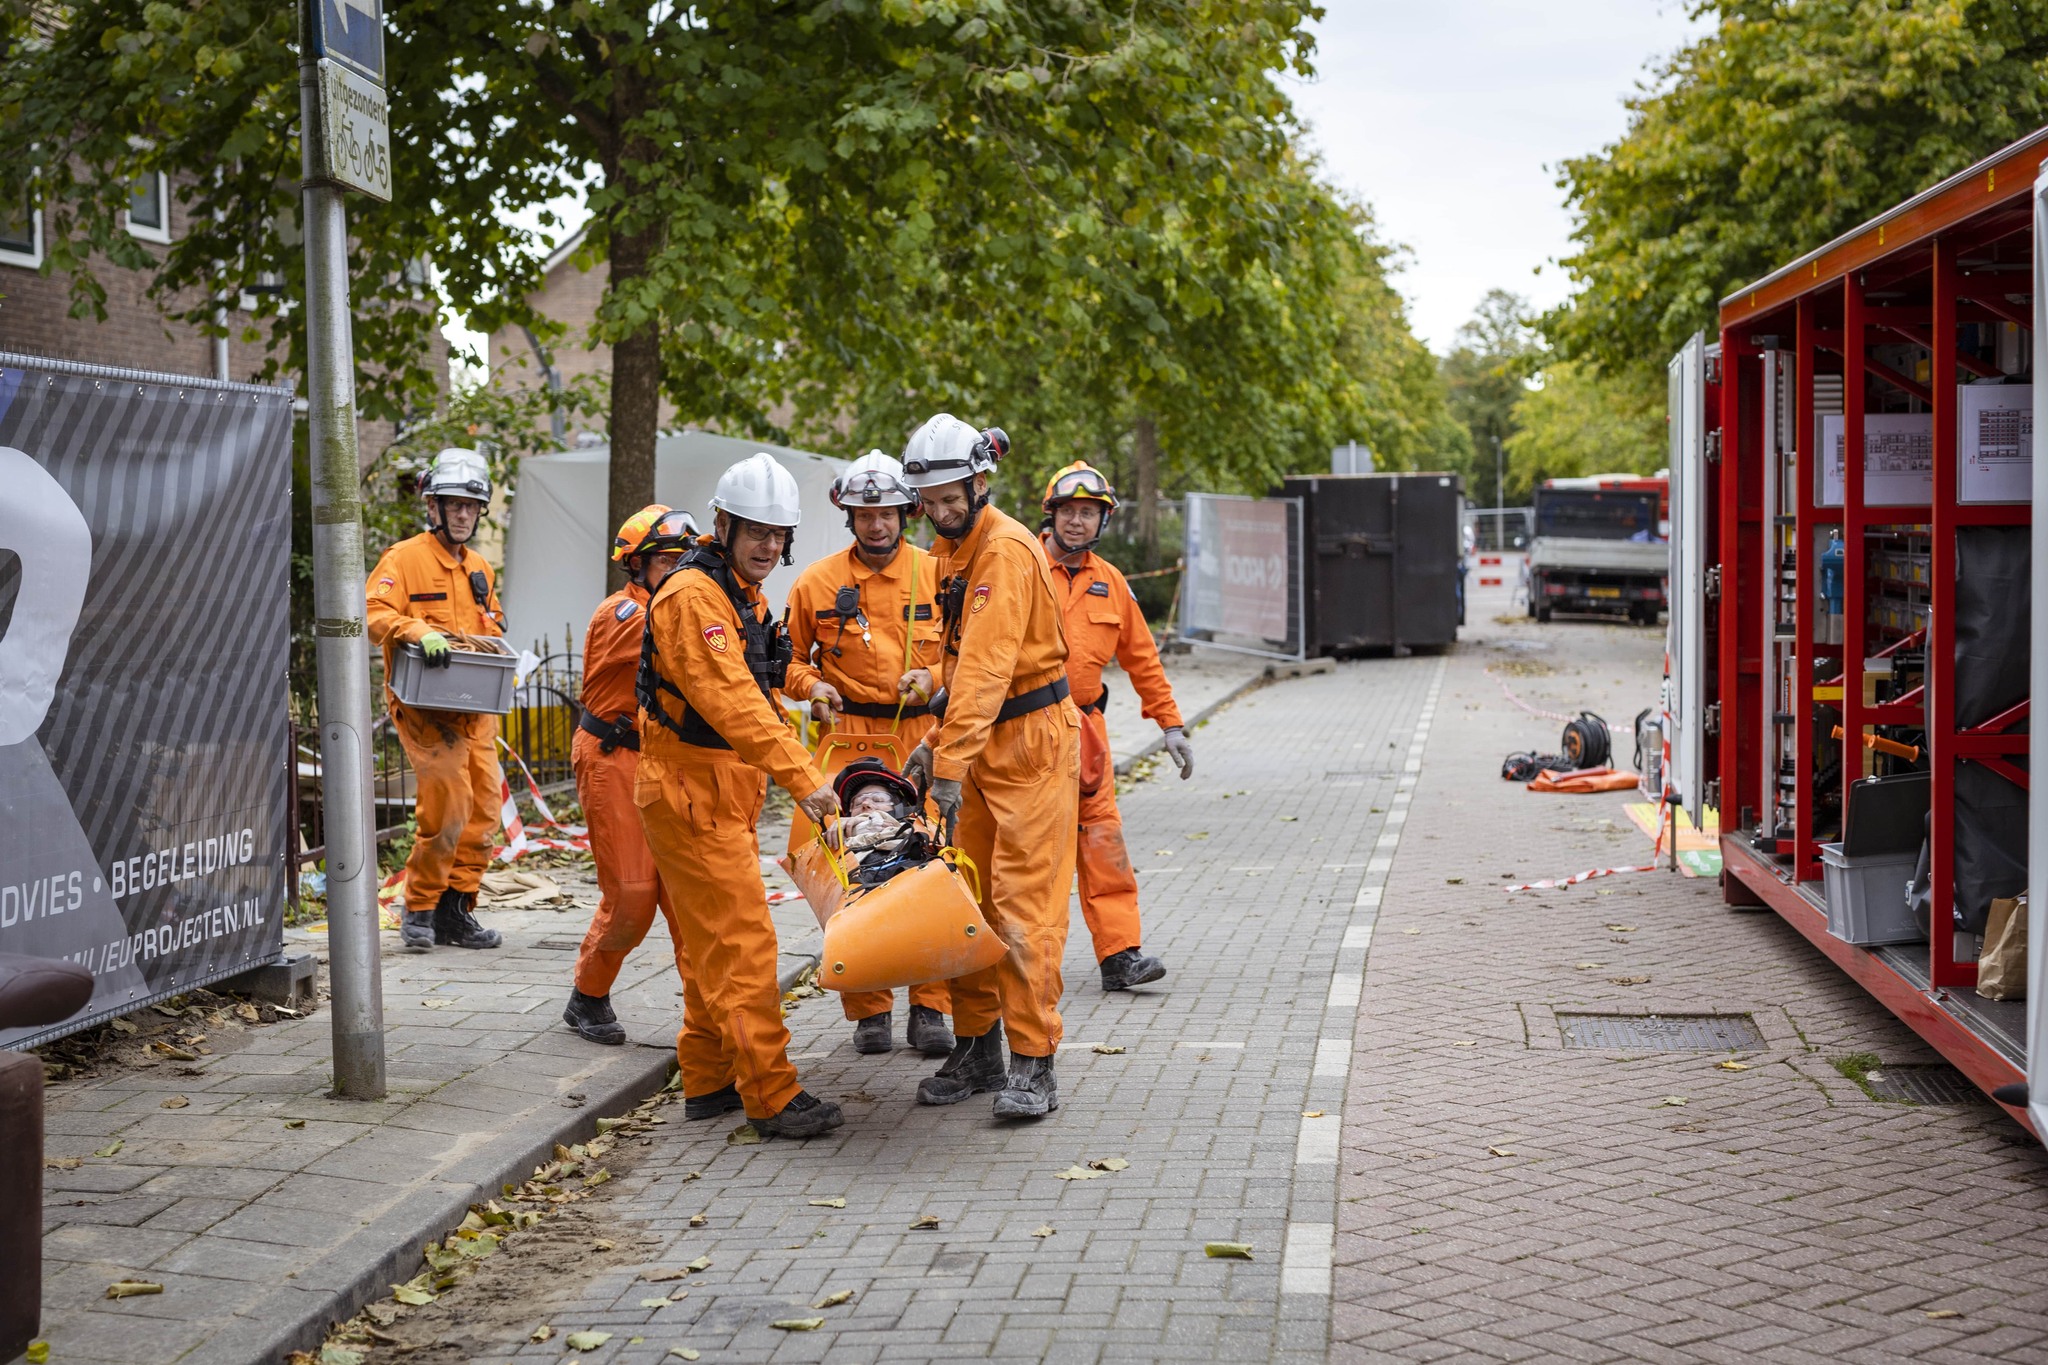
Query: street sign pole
[343,650]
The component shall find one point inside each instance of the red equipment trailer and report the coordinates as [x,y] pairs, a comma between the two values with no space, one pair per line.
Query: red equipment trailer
[1826,598]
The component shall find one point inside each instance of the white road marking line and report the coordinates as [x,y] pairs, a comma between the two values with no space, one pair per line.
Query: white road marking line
[1345,989]
[1333,1056]
[1317,1145]
[1369,897]
[1357,936]
[1395,819]
[1207,1046]
[1306,1261]
[1379,865]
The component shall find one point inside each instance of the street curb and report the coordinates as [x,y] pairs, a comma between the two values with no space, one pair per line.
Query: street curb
[365,1265]
[1274,672]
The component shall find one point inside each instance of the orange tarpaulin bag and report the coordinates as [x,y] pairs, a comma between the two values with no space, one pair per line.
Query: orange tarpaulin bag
[919,926]
[1584,780]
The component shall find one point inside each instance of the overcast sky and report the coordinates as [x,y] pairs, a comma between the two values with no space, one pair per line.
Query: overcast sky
[1448,117]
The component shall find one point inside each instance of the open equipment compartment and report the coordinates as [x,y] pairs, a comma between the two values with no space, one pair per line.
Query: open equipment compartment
[1820,644]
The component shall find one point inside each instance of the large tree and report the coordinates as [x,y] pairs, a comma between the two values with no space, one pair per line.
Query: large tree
[1487,373]
[1789,123]
[1579,421]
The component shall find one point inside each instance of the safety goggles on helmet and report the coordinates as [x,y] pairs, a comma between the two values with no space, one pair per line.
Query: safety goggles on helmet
[675,532]
[637,531]
[871,488]
[458,473]
[1085,482]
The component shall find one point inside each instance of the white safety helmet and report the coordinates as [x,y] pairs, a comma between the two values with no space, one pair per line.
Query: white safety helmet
[874,480]
[946,450]
[758,489]
[458,473]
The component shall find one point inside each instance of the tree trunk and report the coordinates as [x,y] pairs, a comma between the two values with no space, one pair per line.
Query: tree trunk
[636,357]
[1145,462]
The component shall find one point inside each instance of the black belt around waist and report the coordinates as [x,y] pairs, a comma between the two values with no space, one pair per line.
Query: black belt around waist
[610,736]
[1101,703]
[1037,699]
[872,710]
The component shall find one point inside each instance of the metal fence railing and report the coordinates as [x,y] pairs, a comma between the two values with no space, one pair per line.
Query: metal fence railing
[540,728]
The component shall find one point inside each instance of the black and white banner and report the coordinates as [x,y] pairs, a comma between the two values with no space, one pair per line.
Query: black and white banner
[145,539]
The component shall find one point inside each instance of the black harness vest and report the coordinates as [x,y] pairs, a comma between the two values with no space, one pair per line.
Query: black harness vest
[767,653]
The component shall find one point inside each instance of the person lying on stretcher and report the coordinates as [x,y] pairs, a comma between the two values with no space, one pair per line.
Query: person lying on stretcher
[884,830]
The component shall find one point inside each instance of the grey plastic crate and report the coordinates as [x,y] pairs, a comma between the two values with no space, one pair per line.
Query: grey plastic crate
[478,679]
[1867,897]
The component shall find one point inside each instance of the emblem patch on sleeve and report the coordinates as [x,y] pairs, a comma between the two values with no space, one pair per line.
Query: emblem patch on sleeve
[980,598]
[714,635]
[625,610]
[383,586]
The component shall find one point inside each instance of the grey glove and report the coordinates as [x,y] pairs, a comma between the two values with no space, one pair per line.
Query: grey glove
[946,796]
[918,768]
[1181,752]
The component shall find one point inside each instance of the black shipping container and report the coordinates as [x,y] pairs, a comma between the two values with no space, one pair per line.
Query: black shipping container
[1381,559]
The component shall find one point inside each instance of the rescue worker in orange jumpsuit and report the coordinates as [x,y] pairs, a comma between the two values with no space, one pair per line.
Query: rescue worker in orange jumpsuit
[865,629]
[1004,760]
[604,756]
[423,591]
[711,658]
[1103,622]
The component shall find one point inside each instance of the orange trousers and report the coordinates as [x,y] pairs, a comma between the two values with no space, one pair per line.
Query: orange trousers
[1018,804]
[629,888]
[700,816]
[933,994]
[1109,889]
[457,786]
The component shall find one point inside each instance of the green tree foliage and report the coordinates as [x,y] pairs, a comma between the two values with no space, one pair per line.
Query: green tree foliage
[1579,421]
[1487,374]
[1790,123]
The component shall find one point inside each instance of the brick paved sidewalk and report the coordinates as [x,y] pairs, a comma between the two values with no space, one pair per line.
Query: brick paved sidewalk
[1250,875]
[1505,1197]
[261,1231]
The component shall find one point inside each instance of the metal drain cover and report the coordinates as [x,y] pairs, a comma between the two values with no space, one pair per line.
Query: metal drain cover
[1935,1084]
[1661,1032]
[558,945]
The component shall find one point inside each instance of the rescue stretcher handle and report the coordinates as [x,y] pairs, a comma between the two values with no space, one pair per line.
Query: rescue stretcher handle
[1909,752]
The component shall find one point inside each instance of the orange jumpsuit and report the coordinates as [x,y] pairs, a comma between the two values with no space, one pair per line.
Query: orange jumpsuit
[1103,622]
[1020,778]
[700,805]
[629,888]
[902,633]
[420,585]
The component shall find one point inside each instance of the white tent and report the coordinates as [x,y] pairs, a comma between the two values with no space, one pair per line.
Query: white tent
[558,539]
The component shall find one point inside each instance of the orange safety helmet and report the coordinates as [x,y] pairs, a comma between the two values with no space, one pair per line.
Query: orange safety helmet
[636,531]
[1079,480]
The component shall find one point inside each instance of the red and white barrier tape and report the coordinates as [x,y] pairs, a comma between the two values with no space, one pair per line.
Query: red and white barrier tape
[1534,711]
[1559,883]
[576,837]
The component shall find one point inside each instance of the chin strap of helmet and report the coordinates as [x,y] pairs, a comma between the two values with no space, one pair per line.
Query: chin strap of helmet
[1052,530]
[437,522]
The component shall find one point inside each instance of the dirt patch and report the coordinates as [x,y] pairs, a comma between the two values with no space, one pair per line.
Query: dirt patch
[181,1032]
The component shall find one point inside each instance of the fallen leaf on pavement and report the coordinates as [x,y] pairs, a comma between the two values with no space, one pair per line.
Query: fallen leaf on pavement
[1108,1049]
[743,1136]
[596,1177]
[122,1026]
[602,1244]
[1731,1066]
[38,1353]
[173,1102]
[658,1276]
[587,1341]
[111,1149]
[331,1354]
[1673,1101]
[1411,931]
[406,1293]
[1289,819]
[1454,881]
[1943,1313]
[654,1303]
[128,1289]
[541,1333]
[63,1163]
[1469,1042]
[698,1220]
[925,1221]
[798,1324]
[682,1353]
[1046,1230]
[1311,1113]
[679,1296]
[1589,966]
[1500,1151]
[833,1300]
[1199,834]
[700,1265]
[1621,928]
[174,1052]
[1236,1251]
[1630,980]
[828,1203]
[1109,1163]
[295,1123]
[436,1004]
[1075,1173]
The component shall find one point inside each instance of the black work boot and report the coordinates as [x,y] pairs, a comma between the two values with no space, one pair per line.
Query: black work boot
[928,1031]
[591,1016]
[416,931]
[1029,1093]
[712,1105]
[805,1116]
[976,1066]
[456,927]
[1131,967]
[871,1034]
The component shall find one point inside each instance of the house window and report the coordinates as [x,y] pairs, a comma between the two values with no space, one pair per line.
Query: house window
[21,236]
[149,207]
